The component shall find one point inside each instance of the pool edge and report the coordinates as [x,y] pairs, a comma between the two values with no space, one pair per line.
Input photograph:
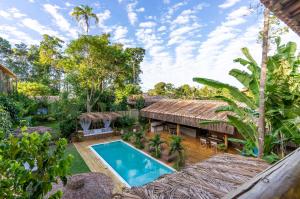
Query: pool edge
[114,171]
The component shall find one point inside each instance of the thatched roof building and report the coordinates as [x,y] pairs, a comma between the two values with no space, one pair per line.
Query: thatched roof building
[99,116]
[286,10]
[189,113]
[7,80]
[149,99]
[213,178]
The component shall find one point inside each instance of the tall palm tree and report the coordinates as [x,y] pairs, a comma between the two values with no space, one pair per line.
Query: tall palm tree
[84,13]
[263,75]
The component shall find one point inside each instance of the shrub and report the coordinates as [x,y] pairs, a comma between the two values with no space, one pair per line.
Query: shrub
[125,122]
[33,89]
[127,136]
[5,120]
[29,165]
[10,106]
[67,126]
[138,139]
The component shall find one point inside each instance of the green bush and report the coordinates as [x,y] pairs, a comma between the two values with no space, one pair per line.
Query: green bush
[10,106]
[5,120]
[33,89]
[67,126]
[125,122]
[46,163]
[127,136]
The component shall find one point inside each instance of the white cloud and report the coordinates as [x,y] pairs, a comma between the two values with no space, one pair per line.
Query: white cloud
[12,13]
[120,33]
[148,24]
[162,28]
[15,36]
[41,29]
[131,12]
[103,17]
[142,9]
[166,1]
[68,4]
[60,20]
[228,3]
[31,1]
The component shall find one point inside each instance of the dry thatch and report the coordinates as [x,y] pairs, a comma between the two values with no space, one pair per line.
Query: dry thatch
[189,113]
[286,10]
[86,186]
[7,72]
[99,116]
[149,99]
[213,178]
[281,180]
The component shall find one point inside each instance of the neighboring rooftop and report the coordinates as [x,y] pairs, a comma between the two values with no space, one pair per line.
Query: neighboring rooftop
[7,72]
[190,113]
[213,178]
[149,99]
[99,116]
[286,10]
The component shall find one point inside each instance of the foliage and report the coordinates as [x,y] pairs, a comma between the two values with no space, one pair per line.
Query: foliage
[5,120]
[156,143]
[45,165]
[162,88]
[282,97]
[136,56]
[11,107]
[140,103]
[125,122]
[129,89]
[84,14]
[177,148]
[138,139]
[33,89]
[127,136]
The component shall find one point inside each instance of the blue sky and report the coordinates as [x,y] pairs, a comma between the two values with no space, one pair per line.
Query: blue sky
[183,39]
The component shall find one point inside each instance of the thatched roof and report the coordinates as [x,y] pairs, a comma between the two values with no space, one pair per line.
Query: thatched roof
[189,113]
[212,178]
[99,116]
[149,99]
[8,72]
[281,180]
[85,186]
[286,10]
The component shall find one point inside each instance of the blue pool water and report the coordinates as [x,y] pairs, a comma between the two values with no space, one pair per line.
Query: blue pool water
[132,165]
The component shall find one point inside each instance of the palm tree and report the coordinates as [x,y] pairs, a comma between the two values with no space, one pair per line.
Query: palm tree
[263,75]
[156,142]
[177,148]
[84,13]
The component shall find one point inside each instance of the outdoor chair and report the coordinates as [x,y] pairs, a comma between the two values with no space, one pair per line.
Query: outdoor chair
[204,141]
[214,145]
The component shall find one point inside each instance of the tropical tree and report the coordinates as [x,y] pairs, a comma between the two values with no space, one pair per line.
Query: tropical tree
[177,148]
[136,57]
[282,99]
[94,68]
[156,143]
[84,14]
[138,139]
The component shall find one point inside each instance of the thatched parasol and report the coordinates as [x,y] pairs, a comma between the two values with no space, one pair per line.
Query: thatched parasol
[86,186]
[99,116]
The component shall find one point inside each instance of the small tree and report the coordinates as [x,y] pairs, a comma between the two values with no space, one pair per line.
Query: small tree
[177,148]
[29,165]
[156,143]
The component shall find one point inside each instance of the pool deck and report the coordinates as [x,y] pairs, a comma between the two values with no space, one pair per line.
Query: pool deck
[194,153]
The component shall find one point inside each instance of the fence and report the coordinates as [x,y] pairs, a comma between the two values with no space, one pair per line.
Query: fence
[131,113]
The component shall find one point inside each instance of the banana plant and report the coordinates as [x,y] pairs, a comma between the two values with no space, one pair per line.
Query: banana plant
[282,96]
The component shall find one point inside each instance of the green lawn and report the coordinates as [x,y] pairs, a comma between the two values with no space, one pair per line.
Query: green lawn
[78,164]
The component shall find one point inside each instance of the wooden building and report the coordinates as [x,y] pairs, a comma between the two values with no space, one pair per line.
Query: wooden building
[8,80]
[286,10]
[187,115]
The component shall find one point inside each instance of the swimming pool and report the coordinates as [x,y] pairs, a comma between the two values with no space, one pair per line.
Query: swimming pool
[132,166]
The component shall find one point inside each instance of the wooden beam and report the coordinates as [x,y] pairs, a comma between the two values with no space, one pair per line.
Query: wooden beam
[281,180]
[226,141]
[178,130]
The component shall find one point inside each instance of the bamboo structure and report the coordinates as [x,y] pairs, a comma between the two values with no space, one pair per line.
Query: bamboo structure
[190,113]
[99,116]
[7,79]
[286,10]
[213,178]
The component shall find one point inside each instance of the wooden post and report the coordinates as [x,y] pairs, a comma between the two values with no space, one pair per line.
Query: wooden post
[226,141]
[178,130]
